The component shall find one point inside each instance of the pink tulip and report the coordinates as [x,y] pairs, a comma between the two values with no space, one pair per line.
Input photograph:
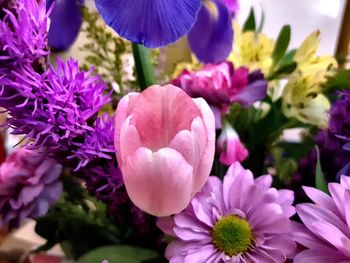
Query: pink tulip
[165,144]
[229,146]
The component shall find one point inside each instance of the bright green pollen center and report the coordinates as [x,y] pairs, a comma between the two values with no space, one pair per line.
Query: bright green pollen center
[232,235]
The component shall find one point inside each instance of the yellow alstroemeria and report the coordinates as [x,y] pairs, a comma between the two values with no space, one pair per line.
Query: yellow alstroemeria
[303,100]
[252,50]
[307,59]
[302,96]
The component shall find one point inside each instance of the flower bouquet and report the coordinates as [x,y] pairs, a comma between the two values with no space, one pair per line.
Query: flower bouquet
[227,146]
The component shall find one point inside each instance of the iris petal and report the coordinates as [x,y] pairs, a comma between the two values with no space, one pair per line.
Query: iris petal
[65,23]
[211,37]
[153,23]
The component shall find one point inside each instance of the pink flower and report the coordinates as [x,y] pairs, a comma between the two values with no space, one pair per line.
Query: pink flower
[230,147]
[221,85]
[165,145]
[239,220]
[326,230]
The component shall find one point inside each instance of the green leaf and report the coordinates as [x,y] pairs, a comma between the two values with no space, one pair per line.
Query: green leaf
[321,182]
[118,254]
[283,69]
[144,66]
[340,81]
[262,22]
[288,57]
[281,44]
[249,25]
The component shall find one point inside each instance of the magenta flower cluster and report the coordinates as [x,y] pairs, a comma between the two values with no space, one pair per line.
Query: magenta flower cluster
[222,85]
[29,185]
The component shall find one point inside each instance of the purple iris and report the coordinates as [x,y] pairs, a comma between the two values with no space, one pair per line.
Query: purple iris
[212,35]
[155,23]
[65,23]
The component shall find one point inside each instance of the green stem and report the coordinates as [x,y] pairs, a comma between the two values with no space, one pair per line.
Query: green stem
[144,66]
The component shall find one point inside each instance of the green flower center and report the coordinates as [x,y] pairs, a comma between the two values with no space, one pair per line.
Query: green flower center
[232,235]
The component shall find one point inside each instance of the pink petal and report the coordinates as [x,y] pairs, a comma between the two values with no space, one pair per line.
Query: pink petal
[130,141]
[191,144]
[159,113]
[320,256]
[305,237]
[338,194]
[207,159]
[121,114]
[166,224]
[159,183]
[345,181]
[310,213]
[322,199]
[333,236]
[264,181]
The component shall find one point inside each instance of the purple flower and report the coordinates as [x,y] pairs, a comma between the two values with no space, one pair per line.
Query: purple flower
[65,23]
[29,185]
[151,23]
[326,234]
[331,143]
[57,110]
[211,37]
[98,143]
[221,85]
[23,32]
[238,220]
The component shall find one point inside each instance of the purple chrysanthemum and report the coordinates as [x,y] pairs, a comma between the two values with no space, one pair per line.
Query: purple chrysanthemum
[57,110]
[238,220]
[23,33]
[326,234]
[29,185]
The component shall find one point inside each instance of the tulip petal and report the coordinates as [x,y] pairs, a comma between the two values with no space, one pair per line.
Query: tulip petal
[65,23]
[121,114]
[207,159]
[159,113]
[129,140]
[191,144]
[211,37]
[152,23]
[159,183]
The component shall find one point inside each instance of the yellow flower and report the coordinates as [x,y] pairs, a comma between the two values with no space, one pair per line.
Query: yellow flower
[303,100]
[192,65]
[308,61]
[252,50]
[302,96]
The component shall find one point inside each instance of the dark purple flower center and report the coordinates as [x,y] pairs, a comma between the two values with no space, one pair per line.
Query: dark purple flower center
[232,235]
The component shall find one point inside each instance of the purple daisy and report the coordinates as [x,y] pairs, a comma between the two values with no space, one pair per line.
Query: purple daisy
[238,220]
[23,33]
[29,185]
[325,234]
[57,110]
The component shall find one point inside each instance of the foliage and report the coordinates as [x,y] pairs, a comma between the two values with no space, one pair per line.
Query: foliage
[78,221]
